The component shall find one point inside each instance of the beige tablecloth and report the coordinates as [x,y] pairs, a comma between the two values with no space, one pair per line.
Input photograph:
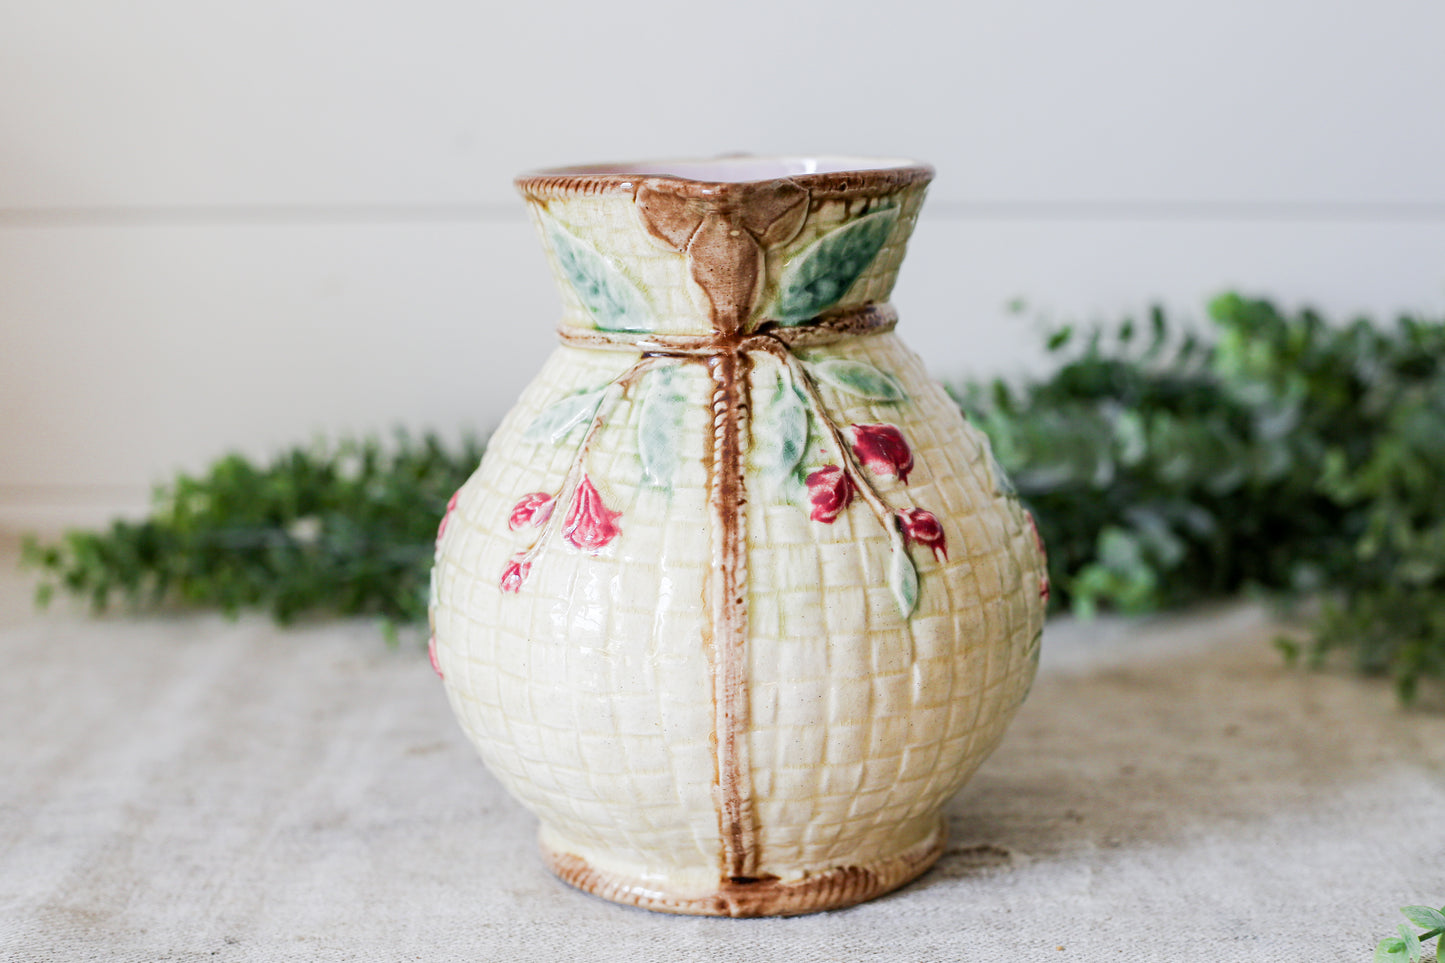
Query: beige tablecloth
[189,788]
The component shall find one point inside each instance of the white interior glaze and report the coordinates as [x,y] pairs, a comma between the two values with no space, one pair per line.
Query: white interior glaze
[741,168]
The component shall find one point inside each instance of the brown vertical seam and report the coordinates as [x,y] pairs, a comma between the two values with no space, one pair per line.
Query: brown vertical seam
[737,820]
[723,240]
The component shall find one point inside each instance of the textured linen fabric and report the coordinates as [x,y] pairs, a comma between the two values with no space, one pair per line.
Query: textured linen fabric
[189,788]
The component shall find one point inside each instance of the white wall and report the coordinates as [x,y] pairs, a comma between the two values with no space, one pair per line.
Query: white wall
[241,225]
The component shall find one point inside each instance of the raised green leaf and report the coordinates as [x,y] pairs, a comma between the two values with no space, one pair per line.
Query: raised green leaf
[857,378]
[902,576]
[558,419]
[659,427]
[1391,950]
[1413,949]
[779,426]
[1002,484]
[1424,917]
[818,276]
[614,301]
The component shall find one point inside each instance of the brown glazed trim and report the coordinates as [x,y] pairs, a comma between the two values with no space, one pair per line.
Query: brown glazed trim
[723,229]
[868,319]
[737,820]
[548,184]
[827,890]
[723,237]
[728,362]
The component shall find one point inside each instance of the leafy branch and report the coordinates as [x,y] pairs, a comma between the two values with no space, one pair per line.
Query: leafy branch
[343,529]
[1409,945]
[1278,454]
[1283,454]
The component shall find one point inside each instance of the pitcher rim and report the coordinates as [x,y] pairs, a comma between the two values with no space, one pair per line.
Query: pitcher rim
[833,174]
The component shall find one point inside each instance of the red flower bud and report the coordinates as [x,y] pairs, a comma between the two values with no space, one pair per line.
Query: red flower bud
[1043,553]
[535,508]
[590,525]
[431,651]
[451,507]
[830,490]
[922,527]
[1038,539]
[515,573]
[882,448]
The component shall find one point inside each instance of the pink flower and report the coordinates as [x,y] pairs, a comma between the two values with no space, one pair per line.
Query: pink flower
[922,527]
[589,524]
[451,507]
[515,573]
[1038,539]
[830,490]
[431,651]
[1043,553]
[882,448]
[535,509]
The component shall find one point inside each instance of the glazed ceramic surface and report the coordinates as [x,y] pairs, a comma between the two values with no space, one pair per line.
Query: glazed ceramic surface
[737,599]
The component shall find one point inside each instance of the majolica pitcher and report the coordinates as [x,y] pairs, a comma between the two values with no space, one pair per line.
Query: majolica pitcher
[737,599]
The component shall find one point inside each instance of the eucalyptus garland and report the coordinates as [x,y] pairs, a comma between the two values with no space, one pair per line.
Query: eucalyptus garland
[1275,453]
[1282,454]
[339,529]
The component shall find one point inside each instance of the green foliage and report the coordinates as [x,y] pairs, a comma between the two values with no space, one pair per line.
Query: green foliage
[1409,945]
[1285,454]
[1280,454]
[346,529]
[820,275]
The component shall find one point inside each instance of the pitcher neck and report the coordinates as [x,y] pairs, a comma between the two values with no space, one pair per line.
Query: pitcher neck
[644,249]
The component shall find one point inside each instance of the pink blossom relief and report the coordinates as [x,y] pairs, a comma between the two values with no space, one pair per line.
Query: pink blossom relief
[533,509]
[589,524]
[451,507]
[829,491]
[922,527]
[883,450]
[515,573]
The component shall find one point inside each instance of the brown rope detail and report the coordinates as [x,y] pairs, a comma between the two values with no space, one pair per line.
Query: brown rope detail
[822,889]
[870,319]
[726,355]
[606,179]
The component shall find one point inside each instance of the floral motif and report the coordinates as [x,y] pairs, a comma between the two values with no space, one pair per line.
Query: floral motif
[533,509]
[1038,539]
[590,524]
[829,490]
[922,527]
[451,507]
[1043,553]
[431,651]
[515,573]
[882,448]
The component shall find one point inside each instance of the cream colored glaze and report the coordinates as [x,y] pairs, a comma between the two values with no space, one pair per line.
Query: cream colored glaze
[795,725]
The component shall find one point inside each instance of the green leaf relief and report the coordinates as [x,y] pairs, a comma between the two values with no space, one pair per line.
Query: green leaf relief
[779,427]
[558,419]
[614,301]
[902,576]
[1002,485]
[817,277]
[659,428]
[857,378]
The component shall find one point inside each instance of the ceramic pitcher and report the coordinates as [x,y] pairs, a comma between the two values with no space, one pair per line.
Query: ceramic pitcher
[737,599]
